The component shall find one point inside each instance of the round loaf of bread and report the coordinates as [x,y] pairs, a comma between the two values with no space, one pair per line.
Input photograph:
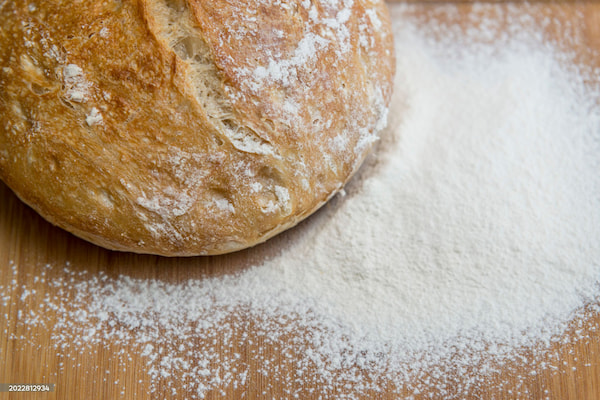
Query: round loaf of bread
[188,127]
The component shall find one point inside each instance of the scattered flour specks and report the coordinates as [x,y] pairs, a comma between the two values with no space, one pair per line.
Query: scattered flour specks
[77,87]
[94,117]
[474,234]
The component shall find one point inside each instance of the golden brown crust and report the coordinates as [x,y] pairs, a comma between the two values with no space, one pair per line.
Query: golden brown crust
[179,127]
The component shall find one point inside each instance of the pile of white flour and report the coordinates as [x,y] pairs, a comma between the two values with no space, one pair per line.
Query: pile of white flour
[474,232]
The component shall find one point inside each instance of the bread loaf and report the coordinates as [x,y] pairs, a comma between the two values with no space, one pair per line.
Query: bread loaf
[187,127]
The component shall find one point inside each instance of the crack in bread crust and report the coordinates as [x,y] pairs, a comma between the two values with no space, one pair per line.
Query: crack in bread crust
[173,23]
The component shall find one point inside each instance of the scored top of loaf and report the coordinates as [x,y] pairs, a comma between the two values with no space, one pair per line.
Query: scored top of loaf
[179,127]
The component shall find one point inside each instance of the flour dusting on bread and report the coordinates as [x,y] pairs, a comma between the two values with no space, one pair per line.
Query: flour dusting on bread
[76,86]
[184,127]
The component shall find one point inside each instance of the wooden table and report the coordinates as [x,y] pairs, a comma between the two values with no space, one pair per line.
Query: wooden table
[27,242]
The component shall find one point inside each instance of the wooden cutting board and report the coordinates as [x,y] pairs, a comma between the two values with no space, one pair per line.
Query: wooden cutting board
[28,355]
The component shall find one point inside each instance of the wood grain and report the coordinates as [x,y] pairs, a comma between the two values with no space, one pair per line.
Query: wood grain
[27,242]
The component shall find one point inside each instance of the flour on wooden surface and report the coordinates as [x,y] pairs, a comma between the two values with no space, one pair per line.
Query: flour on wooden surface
[474,234]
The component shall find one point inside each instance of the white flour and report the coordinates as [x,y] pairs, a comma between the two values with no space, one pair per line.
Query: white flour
[475,232]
